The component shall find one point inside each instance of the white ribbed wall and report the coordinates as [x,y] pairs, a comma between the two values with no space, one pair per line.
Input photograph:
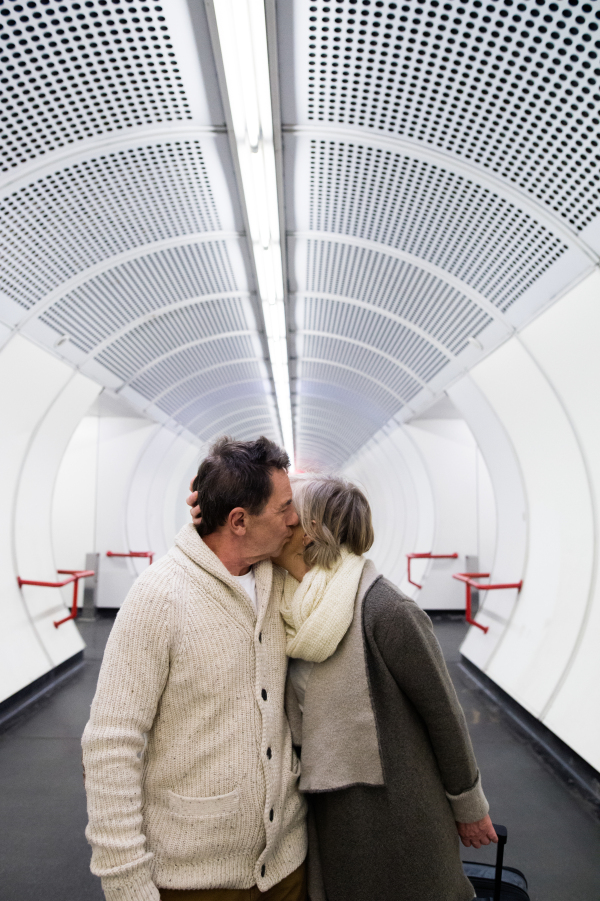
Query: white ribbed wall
[72,483]
[40,404]
[531,408]
[430,492]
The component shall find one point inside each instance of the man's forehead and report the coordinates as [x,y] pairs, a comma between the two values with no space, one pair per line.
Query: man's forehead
[282,490]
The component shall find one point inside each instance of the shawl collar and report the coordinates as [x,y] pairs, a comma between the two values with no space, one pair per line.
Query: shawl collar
[239,606]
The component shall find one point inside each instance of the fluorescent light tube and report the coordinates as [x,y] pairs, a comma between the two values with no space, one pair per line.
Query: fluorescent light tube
[242,30]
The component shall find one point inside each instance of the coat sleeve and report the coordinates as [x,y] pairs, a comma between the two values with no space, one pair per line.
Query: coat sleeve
[413,656]
[132,678]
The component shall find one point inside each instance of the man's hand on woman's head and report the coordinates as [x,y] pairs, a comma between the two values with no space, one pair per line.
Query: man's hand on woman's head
[474,835]
[192,501]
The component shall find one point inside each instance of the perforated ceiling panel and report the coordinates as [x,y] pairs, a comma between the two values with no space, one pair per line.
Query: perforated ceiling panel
[512,87]
[442,185]
[452,157]
[119,230]
[99,208]
[73,70]
[431,213]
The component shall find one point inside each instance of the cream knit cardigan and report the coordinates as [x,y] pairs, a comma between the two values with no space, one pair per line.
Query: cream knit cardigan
[190,773]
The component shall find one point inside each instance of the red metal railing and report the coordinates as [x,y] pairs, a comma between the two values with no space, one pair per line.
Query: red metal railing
[149,554]
[410,557]
[76,575]
[469,580]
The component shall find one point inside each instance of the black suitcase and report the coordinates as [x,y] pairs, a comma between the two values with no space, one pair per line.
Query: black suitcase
[497,883]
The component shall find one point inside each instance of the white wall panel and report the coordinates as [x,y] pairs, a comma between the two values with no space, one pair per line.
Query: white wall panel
[157,493]
[542,631]
[33,516]
[451,458]
[393,474]
[177,470]
[564,341]
[510,546]
[74,501]
[30,382]
[121,440]
[36,424]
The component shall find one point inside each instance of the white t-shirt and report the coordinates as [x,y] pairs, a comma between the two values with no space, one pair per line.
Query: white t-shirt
[248,583]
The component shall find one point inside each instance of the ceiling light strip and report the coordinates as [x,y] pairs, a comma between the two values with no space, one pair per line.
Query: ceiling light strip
[242,34]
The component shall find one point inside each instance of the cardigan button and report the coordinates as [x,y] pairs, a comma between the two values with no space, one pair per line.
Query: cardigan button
[264,695]
[260,636]
[269,754]
[263,870]
[271,815]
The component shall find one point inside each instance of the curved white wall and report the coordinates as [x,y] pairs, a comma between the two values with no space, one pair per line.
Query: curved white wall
[40,406]
[541,386]
[430,492]
[531,408]
[72,483]
[122,487]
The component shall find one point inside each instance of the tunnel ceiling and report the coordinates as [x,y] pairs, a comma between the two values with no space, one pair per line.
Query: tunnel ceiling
[441,186]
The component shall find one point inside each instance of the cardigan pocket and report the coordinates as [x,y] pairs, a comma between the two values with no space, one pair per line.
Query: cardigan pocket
[214,806]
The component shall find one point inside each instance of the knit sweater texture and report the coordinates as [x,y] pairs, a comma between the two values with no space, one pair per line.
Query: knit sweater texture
[190,772]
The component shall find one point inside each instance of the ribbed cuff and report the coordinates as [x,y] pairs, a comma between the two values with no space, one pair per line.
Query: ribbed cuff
[128,886]
[469,806]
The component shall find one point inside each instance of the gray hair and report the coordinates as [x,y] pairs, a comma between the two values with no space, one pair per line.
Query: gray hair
[332,512]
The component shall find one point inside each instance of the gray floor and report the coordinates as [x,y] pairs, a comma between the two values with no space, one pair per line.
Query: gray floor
[44,856]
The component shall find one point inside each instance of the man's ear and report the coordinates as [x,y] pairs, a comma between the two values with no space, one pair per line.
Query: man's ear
[238,520]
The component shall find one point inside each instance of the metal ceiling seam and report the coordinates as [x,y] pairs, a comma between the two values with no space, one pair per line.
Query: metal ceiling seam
[474,173]
[371,349]
[235,163]
[357,372]
[375,247]
[158,314]
[312,432]
[330,400]
[227,400]
[113,262]
[240,422]
[199,372]
[386,314]
[49,163]
[324,402]
[266,413]
[222,336]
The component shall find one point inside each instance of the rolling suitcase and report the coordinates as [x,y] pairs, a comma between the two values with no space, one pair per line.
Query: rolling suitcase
[497,883]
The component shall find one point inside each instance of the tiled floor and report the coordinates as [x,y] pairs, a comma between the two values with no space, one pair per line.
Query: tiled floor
[44,856]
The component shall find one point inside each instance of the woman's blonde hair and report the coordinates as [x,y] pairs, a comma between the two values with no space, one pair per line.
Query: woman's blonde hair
[332,512]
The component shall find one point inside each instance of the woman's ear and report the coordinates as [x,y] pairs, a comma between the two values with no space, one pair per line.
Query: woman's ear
[306,540]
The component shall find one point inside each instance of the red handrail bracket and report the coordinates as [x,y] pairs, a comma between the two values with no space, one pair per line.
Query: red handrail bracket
[149,554]
[469,580]
[75,576]
[427,556]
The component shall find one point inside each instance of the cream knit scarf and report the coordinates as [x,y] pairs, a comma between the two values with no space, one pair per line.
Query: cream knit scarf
[318,610]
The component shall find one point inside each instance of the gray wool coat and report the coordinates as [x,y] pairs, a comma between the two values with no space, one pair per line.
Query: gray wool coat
[387,762]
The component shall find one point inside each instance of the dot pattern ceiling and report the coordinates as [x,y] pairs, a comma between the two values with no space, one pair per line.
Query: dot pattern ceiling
[73,70]
[451,153]
[512,87]
[127,260]
[441,172]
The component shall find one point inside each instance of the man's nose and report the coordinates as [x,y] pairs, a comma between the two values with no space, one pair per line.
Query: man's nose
[293,519]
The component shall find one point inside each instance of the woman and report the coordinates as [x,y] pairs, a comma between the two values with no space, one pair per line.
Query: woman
[387,762]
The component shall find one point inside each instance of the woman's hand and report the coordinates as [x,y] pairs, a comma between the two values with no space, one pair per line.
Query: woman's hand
[474,835]
[192,502]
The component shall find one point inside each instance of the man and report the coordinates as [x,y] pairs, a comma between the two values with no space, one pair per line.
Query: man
[190,772]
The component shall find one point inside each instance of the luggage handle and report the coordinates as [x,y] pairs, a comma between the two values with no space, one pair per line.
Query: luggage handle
[502,839]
